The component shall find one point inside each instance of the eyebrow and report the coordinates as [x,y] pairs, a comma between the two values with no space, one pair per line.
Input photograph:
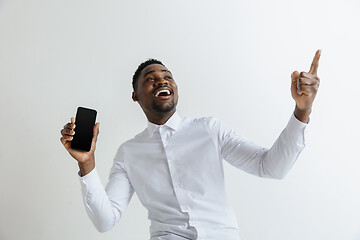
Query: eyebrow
[151,71]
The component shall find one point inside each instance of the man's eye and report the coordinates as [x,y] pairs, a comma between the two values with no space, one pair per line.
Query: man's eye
[167,77]
[151,79]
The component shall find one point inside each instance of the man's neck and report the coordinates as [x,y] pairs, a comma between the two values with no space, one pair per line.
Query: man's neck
[160,119]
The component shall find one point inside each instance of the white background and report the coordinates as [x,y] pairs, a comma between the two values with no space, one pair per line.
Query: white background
[231,60]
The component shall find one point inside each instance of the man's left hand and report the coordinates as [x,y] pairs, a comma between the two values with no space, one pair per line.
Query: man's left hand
[304,87]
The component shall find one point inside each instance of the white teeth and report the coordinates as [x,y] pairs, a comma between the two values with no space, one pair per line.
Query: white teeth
[161,91]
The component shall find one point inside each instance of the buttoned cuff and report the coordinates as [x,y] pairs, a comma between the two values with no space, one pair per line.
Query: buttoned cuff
[90,183]
[296,128]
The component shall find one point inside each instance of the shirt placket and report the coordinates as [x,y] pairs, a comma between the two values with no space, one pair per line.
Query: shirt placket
[180,193]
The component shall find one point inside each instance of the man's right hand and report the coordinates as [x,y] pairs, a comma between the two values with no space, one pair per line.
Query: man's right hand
[86,160]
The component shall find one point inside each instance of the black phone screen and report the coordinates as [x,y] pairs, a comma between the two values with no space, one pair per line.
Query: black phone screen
[84,124]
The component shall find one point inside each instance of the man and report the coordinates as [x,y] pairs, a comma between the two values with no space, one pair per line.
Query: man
[175,165]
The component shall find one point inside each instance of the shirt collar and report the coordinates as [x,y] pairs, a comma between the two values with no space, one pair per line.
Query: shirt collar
[173,122]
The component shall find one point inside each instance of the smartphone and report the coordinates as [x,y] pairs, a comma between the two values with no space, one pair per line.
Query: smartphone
[84,125]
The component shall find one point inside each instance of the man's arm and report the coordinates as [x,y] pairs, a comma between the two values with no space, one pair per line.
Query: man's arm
[274,162]
[103,206]
[106,206]
[278,160]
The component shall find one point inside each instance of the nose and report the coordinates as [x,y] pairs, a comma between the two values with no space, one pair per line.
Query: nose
[161,82]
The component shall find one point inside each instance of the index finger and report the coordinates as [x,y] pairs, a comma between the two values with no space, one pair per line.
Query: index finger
[315,63]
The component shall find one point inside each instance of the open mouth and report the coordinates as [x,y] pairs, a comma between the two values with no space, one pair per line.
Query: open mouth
[162,93]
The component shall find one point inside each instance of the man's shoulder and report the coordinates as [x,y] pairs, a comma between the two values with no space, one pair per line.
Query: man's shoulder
[138,137]
[132,142]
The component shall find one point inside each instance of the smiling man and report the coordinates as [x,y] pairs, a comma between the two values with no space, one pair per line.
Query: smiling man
[156,91]
[176,164]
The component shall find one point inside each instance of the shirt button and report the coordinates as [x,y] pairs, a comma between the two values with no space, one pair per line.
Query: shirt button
[178,186]
[171,162]
[166,142]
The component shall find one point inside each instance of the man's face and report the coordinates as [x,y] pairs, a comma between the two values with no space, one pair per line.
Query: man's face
[156,91]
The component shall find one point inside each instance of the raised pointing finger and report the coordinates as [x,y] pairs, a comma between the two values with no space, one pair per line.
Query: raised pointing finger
[315,62]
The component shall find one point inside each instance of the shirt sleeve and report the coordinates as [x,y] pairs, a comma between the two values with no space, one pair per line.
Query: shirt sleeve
[105,206]
[263,162]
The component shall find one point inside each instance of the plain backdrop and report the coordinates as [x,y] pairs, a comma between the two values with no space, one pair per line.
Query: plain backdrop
[231,60]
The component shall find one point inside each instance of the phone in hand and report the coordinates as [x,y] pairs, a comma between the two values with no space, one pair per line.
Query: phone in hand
[84,125]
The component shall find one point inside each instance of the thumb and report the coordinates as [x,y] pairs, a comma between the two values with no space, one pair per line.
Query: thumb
[96,132]
[294,82]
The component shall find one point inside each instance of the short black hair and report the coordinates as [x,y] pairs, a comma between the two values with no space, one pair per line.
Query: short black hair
[141,67]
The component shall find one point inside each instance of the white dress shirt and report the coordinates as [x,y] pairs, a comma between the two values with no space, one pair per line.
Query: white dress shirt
[176,169]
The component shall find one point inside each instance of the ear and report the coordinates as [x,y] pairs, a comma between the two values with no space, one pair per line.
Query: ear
[134,97]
